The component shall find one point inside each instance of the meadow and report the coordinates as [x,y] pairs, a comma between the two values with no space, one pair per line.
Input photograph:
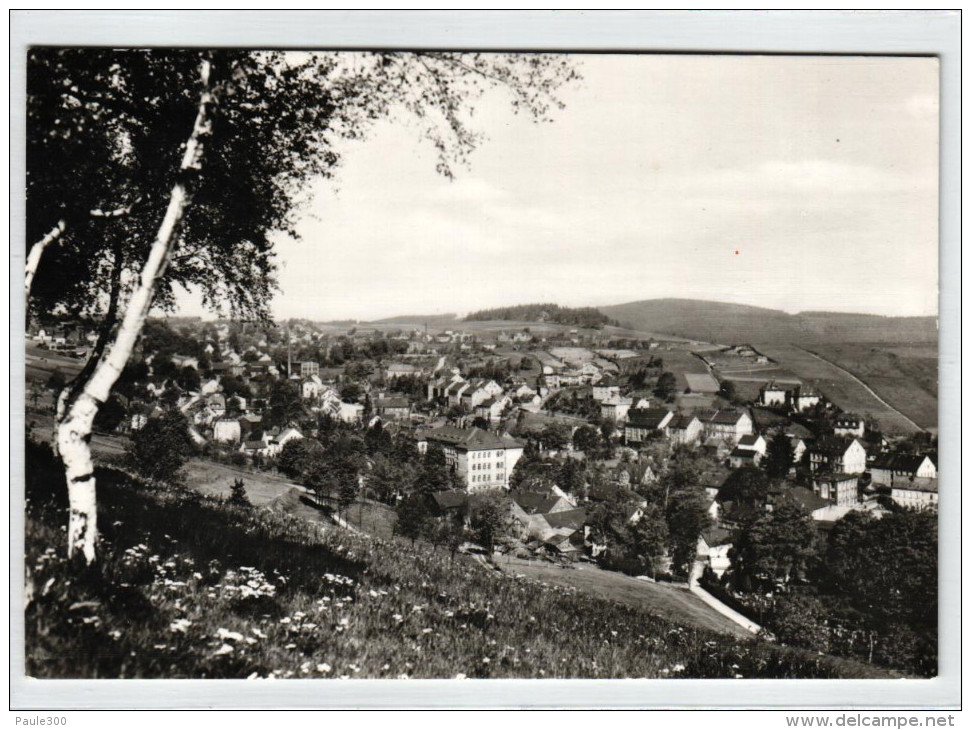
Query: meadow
[840,387]
[190,586]
[904,375]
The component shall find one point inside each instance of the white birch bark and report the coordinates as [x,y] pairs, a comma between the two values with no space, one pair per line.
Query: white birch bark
[74,431]
[37,251]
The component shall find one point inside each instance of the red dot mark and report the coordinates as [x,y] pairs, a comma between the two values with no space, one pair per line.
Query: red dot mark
[736,252]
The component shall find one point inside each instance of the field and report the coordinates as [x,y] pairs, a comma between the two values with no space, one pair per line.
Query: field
[679,362]
[674,603]
[903,375]
[191,587]
[839,386]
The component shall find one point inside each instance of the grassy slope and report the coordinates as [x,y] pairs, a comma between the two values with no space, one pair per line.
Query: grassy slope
[190,587]
[676,604]
[904,375]
[733,323]
[838,387]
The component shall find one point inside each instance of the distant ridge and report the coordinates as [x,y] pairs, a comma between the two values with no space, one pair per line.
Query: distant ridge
[433,320]
[727,323]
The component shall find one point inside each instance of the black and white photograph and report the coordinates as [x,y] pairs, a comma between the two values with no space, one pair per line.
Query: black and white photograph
[424,363]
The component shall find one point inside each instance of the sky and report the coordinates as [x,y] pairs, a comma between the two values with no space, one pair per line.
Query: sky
[795,183]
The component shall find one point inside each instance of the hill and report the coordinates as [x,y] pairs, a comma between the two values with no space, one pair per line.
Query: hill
[734,323]
[434,321]
[232,592]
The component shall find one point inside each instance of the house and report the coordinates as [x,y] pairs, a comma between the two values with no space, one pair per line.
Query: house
[811,502]
[837,488]
[492,409]
[184,361]
[919,493]
[400,370]
[481,460]
[210,386]
[752,442]
[890,469]
[437,388]
[772,395]
[540,502]
[684,430]
[605,390]
[744,457]
[716,447]
[216,403]
[227,430]
[847,424]
[479,391]
[805,398]
[395,408]
[253,447]
[643,422]
[310,388]
[350,412]
[730,425]
[276,443]
[248,424]
[615,409]
[799,447]
[714,544]
[835,454]
[309,369]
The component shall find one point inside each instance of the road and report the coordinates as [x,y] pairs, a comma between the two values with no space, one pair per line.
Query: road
[866,387]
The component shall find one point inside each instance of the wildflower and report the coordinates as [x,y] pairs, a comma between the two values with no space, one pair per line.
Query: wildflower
[254,675]
[231,635]
[403,676]
[323,668]
[677,668]
[398,617]
[116,634]
[180,625]
[285,620]
[386,667]
[290,646]
[305,668]
[257,632]
[224,649]
[485,660]
[460,676]
[426,631]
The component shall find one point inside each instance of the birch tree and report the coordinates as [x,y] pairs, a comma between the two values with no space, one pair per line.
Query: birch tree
[199,158]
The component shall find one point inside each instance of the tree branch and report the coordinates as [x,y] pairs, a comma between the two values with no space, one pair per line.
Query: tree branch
[37,251]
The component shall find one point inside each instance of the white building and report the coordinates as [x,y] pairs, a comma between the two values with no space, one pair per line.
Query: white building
[481,460]
[226,430]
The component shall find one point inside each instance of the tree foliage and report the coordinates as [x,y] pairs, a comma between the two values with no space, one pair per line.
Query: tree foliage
[776,548]
[161,447]
[779,456]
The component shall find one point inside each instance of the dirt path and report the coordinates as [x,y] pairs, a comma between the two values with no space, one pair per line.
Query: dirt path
[866,387]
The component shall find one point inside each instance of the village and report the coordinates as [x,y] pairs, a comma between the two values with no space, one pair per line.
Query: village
[578,430]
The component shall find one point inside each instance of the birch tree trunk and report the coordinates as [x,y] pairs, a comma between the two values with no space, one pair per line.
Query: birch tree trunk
[37,251]
[74,431]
